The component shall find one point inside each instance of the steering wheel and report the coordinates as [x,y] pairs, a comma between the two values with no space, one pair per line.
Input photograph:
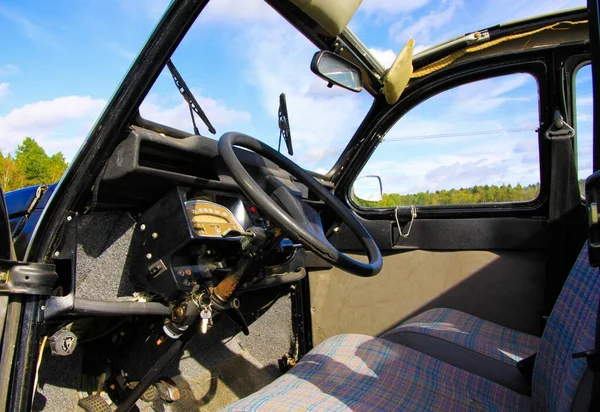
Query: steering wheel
[301,222]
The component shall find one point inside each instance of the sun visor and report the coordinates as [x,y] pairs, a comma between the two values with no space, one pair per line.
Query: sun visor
[332,15]
[397,77]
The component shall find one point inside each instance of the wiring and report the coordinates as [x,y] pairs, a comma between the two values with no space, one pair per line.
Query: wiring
[37,367]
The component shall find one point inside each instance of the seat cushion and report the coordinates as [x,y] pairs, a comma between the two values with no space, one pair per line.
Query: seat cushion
[558,379]
[362,373]
[470,343]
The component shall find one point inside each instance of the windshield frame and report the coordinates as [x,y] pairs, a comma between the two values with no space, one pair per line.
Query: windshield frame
[299,22]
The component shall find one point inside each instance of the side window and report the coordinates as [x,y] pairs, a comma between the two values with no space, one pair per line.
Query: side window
[473,144]
[583,123]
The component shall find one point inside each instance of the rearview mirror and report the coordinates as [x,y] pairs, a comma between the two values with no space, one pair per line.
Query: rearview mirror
[337,70]
[367,189]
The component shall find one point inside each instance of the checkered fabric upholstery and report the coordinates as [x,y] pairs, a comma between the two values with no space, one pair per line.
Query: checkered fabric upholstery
[571,328]
[487,338]
[362,373]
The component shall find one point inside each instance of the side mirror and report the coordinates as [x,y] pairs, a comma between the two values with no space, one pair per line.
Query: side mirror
[337,70]
[367,189]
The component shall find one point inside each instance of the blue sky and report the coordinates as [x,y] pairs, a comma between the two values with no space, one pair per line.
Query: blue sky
[64,60]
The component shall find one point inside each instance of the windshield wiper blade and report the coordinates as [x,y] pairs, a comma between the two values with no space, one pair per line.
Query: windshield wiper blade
[284,125]
[190,99]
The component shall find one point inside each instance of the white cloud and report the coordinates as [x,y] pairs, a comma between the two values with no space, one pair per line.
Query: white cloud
[50,122]
[224,11]
[584,101]
[507,84]
[391,6]
[322,120]
[419,48]
[234,11]
[33,31]
[154,9]
[385,57]
[120,51]
[8,70]
[445,19]
[4,89]
[484,161]
[446,141]
[423,29]
[473,98]
[501,11]
[178,115]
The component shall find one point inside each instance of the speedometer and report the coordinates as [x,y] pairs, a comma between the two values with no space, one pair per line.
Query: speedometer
[210,219]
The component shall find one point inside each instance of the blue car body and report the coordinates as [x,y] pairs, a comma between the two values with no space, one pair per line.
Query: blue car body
[25,207]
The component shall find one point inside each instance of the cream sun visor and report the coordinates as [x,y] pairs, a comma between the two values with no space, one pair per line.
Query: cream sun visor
[397,77]
[332,15]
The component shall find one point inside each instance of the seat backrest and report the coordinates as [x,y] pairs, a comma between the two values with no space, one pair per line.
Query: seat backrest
[571,328]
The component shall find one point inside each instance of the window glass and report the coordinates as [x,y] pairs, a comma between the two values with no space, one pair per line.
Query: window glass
[237,68]
[583,123]
[474,144]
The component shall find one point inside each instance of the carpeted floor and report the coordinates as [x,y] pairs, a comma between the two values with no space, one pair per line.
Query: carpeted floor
[215,370]
[211,374]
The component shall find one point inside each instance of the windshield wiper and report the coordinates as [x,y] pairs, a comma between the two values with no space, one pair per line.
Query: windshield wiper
[190,99]
[284,125]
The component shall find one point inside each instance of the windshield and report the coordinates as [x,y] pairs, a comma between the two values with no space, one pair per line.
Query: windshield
[237,61]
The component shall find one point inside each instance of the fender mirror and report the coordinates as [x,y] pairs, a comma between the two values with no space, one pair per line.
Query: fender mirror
[367,189]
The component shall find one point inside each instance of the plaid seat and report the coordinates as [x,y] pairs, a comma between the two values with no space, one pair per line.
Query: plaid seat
[362,373]
[571,329]
[472,333]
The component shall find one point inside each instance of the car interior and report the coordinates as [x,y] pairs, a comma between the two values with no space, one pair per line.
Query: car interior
[201,274]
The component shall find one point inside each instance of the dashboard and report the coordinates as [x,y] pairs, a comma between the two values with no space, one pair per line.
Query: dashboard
[147,163]
[190,240]
[194,224]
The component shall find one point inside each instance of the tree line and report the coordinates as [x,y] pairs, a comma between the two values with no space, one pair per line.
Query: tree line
[462,196]
[30,165]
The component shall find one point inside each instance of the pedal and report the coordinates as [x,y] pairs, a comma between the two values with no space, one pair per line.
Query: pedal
[168,390]
[151,394]
[94,403]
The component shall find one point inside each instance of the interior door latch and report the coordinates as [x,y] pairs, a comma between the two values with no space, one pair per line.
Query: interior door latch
[559,129]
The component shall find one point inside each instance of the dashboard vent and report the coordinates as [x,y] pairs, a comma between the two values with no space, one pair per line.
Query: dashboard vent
[157,156]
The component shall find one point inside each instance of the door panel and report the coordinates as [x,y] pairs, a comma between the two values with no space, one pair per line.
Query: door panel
[451,234]
[485,255]
[502,286]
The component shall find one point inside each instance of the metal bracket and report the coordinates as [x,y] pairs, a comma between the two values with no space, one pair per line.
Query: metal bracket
[27,278]
[559,129]
[413,215]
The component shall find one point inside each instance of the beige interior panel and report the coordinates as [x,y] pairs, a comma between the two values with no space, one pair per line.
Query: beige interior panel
[505,287]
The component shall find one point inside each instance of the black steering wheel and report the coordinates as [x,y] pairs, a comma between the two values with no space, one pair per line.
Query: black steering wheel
[299,220]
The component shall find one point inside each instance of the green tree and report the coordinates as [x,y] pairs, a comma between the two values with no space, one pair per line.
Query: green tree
[33,161]
[462,196]
[36,166]
[58,165]
[11,177]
